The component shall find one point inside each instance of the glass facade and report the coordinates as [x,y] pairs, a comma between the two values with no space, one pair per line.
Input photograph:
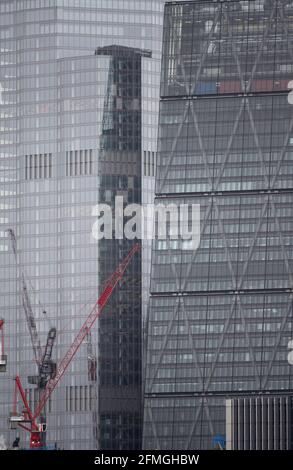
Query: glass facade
[63,149]
[120,328]
[220,317]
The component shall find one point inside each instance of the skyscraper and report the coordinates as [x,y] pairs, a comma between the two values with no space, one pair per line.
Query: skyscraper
[120,329]
[220,317]
[56,119]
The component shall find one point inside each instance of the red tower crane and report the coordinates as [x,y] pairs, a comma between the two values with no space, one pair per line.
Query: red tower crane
[46,366]
[29,419]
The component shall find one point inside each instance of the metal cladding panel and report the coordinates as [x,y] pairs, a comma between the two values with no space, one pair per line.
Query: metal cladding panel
[261,423]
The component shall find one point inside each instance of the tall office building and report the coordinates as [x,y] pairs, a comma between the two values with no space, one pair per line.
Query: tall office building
[120,328]
[64,114]
[220,317]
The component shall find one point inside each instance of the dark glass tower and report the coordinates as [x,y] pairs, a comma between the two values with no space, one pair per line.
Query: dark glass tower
[120,329]
[220,318]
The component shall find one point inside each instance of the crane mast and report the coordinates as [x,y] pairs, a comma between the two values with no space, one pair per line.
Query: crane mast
[46,367]
[26,303]
[92,377]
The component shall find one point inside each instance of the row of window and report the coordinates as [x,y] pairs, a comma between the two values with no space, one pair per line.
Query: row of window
[217,386]
[40,166]
[254,302]
[94,4]
[79,398]
[149,163]
[79,163]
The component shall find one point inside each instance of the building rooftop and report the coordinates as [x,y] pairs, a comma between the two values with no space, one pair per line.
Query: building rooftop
[122,50]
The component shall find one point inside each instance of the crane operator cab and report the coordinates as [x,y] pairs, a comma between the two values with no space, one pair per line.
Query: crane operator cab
[3,363]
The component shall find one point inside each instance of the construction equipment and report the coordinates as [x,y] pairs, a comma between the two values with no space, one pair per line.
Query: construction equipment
[91,360]
[93,378]
[32,418]
[3,357]
[27,306]
[46,367]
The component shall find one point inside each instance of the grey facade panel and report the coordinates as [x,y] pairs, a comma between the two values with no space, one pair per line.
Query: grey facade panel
[262,423]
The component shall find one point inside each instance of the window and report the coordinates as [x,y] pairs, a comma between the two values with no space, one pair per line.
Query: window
[79,398]
[149,163]
[38,166]
[79,163]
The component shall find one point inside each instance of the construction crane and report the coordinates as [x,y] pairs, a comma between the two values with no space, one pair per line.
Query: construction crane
[93,377]
[46,367]
[92,360]
[28,420]
[3,357]
[27,306]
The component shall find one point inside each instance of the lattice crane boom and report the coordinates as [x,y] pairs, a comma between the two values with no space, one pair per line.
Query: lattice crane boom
[96,311]
[30,319]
